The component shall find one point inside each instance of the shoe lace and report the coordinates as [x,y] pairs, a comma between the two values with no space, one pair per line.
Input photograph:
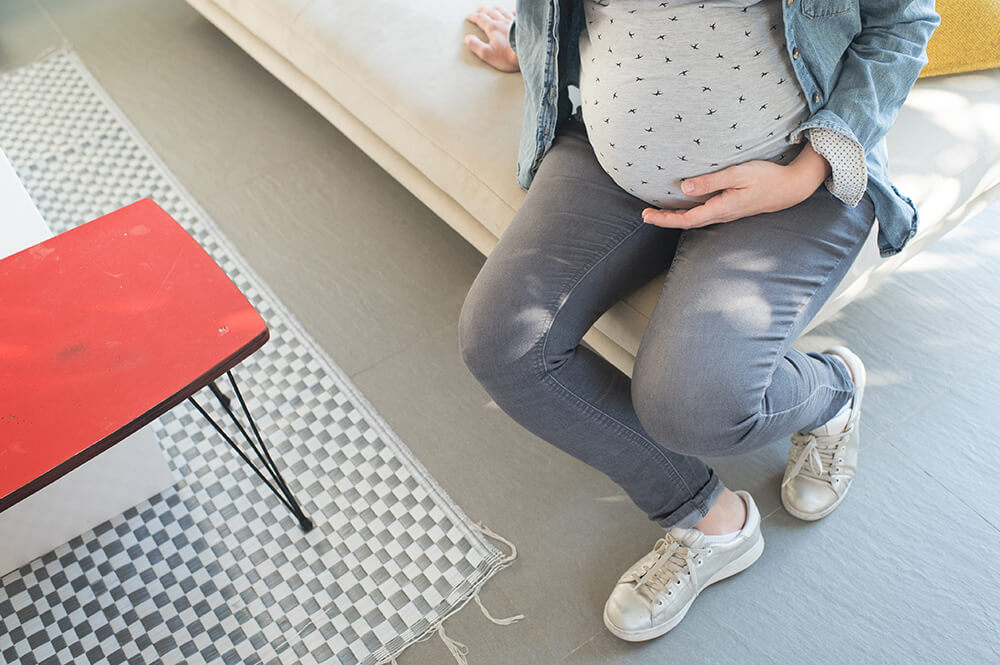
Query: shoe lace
[673,559]
[819,451]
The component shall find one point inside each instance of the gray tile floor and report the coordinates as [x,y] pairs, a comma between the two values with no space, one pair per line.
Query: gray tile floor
[906,570]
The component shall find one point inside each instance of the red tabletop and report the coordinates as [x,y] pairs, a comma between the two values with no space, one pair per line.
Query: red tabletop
[102,329]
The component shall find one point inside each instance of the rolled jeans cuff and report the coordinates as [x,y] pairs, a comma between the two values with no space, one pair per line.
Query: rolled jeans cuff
[694,509]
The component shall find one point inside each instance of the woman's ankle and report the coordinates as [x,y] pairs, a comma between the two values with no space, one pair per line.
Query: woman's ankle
[727,515]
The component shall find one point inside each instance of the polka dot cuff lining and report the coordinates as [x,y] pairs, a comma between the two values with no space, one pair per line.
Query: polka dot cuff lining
[847,159]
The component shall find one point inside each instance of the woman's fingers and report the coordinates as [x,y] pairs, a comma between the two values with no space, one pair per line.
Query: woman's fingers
[485,21]
[722,207]
[495,49]
[494,13]
[478,18]
[476,45]
[489,14]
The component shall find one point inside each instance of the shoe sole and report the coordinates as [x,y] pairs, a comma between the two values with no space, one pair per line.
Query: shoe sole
[737,565]
[812,517]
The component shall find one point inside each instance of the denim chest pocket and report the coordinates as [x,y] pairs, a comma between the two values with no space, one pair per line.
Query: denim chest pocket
[817,8]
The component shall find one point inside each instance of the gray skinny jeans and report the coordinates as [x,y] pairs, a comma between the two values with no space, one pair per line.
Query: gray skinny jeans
[715,373]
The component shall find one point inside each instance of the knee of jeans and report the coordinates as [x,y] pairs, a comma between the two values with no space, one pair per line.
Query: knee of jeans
[690,417]
[497,345]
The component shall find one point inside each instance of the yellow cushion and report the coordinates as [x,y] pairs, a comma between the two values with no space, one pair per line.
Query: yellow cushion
[968,38]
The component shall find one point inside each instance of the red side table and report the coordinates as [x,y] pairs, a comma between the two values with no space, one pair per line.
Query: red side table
[106,327]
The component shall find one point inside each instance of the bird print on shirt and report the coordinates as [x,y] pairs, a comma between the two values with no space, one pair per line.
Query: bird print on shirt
[734,61]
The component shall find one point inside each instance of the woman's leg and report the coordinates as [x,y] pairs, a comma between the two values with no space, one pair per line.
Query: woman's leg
[574,248]
[715,373]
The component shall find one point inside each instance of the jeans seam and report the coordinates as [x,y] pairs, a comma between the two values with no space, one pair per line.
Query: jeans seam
[611,420]
[540,360]
[795,320]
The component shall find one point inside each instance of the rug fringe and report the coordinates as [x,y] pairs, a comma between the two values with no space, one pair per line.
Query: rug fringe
[507,558]
[457,649]
[454,646]
[503,622]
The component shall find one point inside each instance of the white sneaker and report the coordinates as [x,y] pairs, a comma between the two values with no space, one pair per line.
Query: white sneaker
[655,593]
[811,491]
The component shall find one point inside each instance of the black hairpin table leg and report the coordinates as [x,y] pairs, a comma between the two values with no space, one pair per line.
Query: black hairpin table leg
[279,487]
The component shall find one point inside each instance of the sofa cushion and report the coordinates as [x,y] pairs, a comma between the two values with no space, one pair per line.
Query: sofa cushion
[402,68]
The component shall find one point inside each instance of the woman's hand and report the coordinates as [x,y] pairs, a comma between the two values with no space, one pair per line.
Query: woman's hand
[495,22]
[747,189]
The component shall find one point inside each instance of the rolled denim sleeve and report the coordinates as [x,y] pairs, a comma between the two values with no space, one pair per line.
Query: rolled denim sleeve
[849,178]
[879,67]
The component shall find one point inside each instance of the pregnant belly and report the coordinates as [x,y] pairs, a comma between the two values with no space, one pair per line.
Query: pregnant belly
[647,155]
[657,109]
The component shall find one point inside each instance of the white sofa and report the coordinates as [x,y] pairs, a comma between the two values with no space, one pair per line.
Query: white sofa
[396,78]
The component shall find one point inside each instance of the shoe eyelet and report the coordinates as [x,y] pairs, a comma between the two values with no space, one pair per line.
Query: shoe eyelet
[840,459]
[678,582]
[836,480]
[709,550]
[659,603]
[670,593]
[699,562]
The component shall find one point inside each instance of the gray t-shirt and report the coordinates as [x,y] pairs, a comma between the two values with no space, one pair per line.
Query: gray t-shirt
[672,90]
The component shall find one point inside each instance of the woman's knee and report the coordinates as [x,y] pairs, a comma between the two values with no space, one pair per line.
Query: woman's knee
[692,412]
[497,334]
[477,346]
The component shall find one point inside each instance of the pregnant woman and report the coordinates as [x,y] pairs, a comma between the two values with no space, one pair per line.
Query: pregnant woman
[738,145]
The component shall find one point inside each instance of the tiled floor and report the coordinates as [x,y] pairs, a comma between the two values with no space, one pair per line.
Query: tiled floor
[905,571]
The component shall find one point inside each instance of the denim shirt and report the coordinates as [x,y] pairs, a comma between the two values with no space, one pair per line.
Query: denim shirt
[856,61]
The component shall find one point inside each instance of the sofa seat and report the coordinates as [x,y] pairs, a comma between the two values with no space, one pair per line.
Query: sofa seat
[396,78]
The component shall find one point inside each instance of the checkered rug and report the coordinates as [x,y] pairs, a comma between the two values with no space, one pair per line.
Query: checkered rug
[215,569]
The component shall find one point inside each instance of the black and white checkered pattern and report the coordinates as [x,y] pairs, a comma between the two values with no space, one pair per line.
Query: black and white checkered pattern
[216,570]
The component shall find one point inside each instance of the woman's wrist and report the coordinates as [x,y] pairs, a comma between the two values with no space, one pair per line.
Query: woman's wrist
[810,167]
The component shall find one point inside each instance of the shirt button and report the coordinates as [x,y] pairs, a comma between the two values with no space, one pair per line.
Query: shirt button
[789,2]
[795,52]
[816,97]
